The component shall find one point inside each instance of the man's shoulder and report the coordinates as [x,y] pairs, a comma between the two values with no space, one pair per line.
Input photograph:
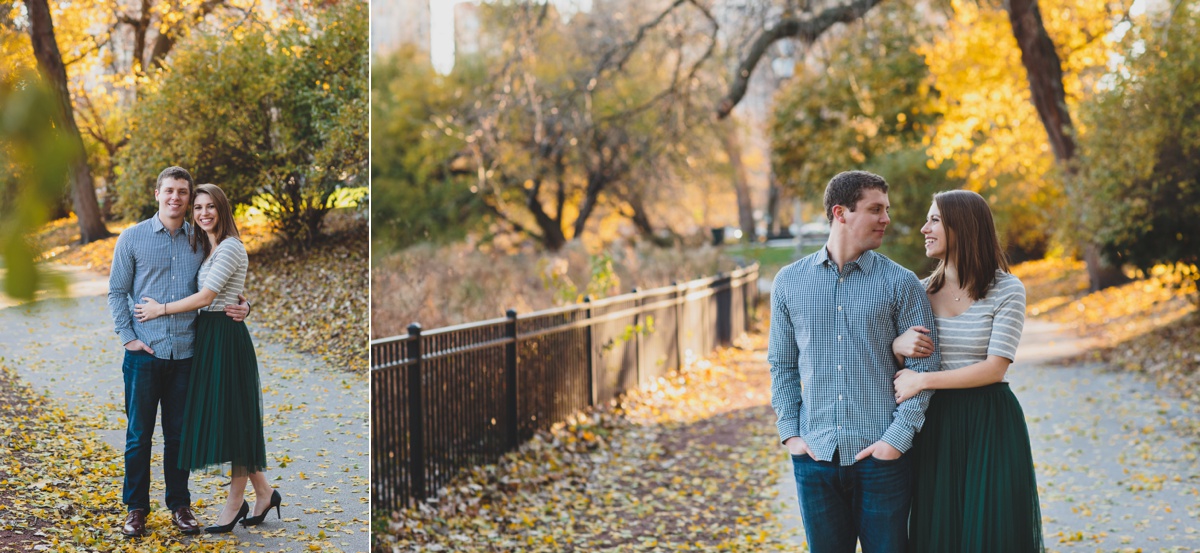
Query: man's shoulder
[798,267]
[892,270]
[144,226]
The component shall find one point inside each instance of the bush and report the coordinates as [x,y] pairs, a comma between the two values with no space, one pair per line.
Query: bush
[1141,150]
[275,117]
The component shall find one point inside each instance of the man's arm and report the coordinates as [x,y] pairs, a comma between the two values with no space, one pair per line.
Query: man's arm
[912,309]
[120,284]
[783,356]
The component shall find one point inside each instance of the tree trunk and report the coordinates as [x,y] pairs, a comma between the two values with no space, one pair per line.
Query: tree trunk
[552,233]
[45,49]
[733,148]
[773,193]
[1044,72]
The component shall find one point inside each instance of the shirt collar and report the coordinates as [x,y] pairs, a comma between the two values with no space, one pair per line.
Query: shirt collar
[865,261]
[157,225]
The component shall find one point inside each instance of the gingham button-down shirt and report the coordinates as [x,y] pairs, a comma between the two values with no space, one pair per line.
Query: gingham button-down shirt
[150,261]
[830,352]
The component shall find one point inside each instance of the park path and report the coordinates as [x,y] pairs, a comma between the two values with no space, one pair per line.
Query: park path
[315,417]
[1114,474]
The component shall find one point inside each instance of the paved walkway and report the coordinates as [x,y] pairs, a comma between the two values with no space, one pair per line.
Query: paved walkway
[315,417]
[1114,474]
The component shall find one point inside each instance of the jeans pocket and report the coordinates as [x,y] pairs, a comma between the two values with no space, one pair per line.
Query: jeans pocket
[800,458]
[885,462]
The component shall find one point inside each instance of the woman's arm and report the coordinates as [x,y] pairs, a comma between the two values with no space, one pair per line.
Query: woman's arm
[151,309]
[989,371]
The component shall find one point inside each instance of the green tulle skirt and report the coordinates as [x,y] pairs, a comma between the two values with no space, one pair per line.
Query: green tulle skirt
[223,416]
[975,489]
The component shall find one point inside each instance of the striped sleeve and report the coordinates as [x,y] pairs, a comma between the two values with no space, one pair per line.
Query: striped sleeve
[228,255]
[1008,319]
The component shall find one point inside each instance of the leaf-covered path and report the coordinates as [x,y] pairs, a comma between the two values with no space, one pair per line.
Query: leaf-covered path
[315,417]
[1116,469]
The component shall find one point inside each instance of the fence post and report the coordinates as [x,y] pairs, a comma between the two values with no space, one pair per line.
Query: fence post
[591,356]
[416,414]
[678,326]
[510,379]
[637,335]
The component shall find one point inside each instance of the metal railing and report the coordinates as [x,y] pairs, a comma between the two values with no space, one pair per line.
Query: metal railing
[464,395]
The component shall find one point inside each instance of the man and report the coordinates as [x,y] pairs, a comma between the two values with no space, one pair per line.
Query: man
[834,315]
[154,259]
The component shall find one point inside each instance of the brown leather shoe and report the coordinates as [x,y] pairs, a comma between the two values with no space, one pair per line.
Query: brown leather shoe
[135,523]
[185,521]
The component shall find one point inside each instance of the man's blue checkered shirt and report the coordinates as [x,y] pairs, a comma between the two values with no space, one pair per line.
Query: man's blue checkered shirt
[831,357]
[150,261]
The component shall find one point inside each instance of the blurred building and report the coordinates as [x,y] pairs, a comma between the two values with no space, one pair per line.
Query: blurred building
[396,22]
[467,29]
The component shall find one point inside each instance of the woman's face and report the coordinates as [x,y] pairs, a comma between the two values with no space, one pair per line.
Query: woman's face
[936,243]
[204,212]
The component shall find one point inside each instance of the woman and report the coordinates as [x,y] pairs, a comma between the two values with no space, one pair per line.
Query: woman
[223,414]
[975,489]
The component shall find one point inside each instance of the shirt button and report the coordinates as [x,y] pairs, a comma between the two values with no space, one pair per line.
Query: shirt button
[839,308]
[839,397]
[839,367]
[841,279]
[839,335]
[839,427]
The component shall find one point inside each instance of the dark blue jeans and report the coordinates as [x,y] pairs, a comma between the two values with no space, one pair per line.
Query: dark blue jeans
[150,381]
[867,502]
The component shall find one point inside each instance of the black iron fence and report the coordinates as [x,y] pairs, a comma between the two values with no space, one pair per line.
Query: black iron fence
[460,396]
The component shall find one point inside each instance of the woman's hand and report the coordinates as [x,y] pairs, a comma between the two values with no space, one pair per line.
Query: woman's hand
[908,384]
[149,310]
[914,343]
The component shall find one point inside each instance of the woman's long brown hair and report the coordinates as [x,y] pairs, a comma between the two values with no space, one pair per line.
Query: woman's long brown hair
[971,242]
[225,228]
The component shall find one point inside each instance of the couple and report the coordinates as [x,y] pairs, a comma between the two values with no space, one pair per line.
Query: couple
[200,365]
[857,347]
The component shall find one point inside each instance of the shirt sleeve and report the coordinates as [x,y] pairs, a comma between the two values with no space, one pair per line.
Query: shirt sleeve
[912,309]
[120,283]
[228,255]
[783,356]
[1008,320]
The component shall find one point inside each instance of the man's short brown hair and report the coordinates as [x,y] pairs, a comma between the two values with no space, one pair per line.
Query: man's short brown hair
[846,188]
[177,173]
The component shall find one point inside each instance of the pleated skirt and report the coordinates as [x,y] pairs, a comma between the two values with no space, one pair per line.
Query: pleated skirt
[975,490]
[223,415]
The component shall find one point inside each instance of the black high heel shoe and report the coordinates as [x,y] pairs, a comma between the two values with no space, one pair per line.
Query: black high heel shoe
[276,499]
[226,528]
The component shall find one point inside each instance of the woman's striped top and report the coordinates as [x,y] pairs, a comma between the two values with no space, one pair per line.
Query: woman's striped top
[224,272]
[990,326]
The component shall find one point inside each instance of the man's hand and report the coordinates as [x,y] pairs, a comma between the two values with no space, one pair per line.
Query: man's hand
[138,345]
[880,450]
[797,446]
[240,311]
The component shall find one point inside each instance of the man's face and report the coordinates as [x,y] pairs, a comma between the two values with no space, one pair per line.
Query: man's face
[865,225]
[173,198]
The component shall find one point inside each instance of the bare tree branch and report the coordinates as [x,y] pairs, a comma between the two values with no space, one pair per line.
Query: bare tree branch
[807,30]
[166,40]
